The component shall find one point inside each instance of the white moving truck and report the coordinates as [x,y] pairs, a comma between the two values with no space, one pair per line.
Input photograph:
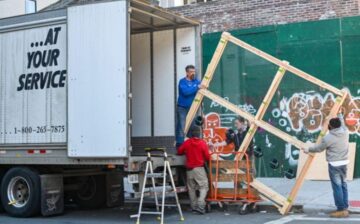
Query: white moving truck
[82,91]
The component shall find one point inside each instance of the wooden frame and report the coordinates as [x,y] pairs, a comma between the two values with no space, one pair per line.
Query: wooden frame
[282,203]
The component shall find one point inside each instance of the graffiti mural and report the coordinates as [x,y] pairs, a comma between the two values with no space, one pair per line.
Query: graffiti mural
[300,114]
[216,125]
[246,107]
[215,134]
[307,111]
[291,155]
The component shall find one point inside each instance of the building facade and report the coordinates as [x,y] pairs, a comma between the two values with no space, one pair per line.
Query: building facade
[220,15]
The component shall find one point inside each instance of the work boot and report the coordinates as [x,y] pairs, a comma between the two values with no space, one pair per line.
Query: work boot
[339,214]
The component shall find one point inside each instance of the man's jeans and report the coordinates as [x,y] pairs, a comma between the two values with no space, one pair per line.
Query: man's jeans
[338,182]
[181,113]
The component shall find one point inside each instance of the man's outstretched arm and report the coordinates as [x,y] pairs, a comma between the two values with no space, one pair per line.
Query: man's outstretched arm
[317,147]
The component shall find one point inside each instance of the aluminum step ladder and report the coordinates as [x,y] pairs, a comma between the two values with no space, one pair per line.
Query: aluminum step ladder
[149,173]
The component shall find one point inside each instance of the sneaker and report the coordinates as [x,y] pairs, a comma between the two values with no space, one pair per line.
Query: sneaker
[200,211]
[193,209]
[339,214]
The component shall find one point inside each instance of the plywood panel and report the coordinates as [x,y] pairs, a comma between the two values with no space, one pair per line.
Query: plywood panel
[319,167]
[141,84]
[185,51]
[164,99]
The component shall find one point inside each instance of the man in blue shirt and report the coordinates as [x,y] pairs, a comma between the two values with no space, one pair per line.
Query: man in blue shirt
[188,87]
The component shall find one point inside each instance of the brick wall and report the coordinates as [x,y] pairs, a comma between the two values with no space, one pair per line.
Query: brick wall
[220,15]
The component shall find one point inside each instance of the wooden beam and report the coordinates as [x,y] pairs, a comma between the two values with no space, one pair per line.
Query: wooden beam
[142,23]
[288,67]
[206,80]
[268,193]
[261,112]
[152,15]
[154,8]
[300,180]
[266,199]
[268,127]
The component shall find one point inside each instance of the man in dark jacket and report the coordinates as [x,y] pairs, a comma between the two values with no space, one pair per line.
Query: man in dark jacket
[237,137]
[197,154]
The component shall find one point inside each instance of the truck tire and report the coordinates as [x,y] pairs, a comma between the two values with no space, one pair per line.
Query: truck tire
[92,192]
[1,177]
[20,192]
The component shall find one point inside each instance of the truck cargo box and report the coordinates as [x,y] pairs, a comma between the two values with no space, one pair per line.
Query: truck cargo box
[91,83]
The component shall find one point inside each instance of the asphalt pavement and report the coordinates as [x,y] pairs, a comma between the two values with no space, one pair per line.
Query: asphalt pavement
[122,215]
[315,196]
[315,199]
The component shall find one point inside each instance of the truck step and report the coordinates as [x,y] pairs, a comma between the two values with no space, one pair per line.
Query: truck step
[169,191]
[145,213]
[169,205]
[155,175]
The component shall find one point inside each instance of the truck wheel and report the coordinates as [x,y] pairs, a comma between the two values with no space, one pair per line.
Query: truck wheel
[1,177]
[20,192]
[92,192]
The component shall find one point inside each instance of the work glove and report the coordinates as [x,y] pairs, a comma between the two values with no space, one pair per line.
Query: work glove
[306,150]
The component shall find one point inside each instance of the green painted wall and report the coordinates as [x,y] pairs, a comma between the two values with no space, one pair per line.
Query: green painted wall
[328,49]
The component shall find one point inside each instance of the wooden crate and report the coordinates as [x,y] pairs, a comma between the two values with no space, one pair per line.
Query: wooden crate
[282,203]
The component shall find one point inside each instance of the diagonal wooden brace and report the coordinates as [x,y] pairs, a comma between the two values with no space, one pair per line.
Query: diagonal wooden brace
[262,110]
[206,80]
[268,193]
[300,180]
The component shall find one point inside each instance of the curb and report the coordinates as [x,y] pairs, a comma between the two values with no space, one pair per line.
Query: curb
[270,208]
[305,209]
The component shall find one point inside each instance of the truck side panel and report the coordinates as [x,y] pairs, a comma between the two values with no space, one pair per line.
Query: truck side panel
[33,76]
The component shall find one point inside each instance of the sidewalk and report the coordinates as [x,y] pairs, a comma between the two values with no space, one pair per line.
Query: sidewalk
[315,196]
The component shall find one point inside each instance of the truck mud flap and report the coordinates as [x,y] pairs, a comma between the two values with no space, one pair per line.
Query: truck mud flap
[114,189]
[52,194]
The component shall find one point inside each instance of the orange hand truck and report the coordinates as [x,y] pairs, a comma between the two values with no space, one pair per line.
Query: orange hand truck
[229,182]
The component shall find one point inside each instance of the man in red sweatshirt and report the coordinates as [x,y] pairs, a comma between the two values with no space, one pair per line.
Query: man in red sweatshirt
[197,154]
